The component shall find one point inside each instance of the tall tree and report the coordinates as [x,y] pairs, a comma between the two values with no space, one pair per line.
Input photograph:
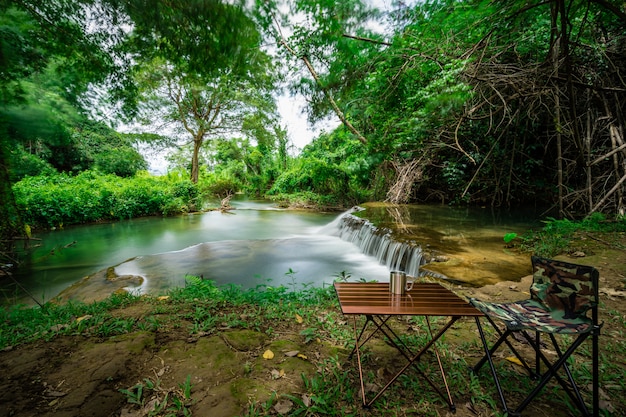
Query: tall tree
[205,80]
[96,43]
[200,107]
[309,33]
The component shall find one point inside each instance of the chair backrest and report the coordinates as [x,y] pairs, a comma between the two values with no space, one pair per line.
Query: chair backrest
[564,286]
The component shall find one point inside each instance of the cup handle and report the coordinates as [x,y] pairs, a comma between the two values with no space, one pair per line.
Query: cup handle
[410,281]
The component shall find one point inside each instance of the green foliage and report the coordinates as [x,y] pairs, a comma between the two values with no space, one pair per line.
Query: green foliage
[164,29]
[61,199]
[26,164]
[185,189]
[20,324]
[221,186]
[508,237]
[312,175]
[49,142]
[123,161]
[311,200]
[333,171]
[556,235]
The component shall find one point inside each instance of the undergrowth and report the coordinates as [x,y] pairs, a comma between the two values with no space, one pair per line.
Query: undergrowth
[334,390]
[556,236]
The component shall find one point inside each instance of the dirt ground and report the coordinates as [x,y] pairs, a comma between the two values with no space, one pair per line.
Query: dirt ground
[80,376]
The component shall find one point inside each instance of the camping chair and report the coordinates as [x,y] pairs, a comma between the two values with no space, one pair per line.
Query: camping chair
[560,296]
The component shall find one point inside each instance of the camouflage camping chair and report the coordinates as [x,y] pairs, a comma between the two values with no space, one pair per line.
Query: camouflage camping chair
[561,295]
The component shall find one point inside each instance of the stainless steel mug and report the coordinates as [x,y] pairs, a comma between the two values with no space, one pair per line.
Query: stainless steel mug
[397,282]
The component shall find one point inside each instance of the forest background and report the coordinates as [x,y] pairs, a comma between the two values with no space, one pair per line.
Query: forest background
[477,102]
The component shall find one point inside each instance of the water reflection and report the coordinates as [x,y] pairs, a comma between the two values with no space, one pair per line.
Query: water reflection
[471,239]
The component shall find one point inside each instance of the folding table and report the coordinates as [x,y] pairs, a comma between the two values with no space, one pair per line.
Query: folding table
[377,304]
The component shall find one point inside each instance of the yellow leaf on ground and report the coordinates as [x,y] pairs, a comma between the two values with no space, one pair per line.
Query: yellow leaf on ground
[299,318]
[163,298]
[79,319]
[268,354]
[302,356]
[514,360]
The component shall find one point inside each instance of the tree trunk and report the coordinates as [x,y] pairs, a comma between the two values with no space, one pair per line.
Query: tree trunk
[195,165]
[11,225]
[333,104]
[555,54]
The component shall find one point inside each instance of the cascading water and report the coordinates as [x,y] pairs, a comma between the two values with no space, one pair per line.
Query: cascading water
[377,242]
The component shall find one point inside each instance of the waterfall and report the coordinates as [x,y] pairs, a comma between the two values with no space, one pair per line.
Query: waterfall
[377,242]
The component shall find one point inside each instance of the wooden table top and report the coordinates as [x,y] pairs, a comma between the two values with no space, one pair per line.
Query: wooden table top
[425,299]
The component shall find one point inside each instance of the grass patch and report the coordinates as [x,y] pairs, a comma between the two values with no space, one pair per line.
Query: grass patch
[309,317]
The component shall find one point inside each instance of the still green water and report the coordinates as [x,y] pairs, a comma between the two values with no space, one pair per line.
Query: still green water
[257,244]
[471,239]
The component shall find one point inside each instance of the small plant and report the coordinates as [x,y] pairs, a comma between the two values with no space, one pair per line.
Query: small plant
[134,395]
[343,276]
[310,334]
[175,401]
[508,238]
[291,274]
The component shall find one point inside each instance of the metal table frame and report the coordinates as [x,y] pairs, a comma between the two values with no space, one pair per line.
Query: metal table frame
[378,305]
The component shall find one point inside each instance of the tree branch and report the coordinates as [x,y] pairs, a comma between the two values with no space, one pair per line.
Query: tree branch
[333,104]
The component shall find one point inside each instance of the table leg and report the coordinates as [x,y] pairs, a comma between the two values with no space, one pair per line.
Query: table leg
[368,319]
[393,337]
[443,373]
[358,342]
[382,326]
[357,349]
[416,357]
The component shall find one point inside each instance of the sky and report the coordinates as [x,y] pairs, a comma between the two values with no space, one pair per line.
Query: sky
[294,119]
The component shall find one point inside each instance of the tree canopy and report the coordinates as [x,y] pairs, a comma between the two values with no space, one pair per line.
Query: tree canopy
[456,101]
[480,102]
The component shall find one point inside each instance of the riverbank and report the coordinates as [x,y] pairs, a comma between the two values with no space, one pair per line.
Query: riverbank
[209,351]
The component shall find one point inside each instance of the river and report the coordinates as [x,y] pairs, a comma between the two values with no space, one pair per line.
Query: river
[257,244]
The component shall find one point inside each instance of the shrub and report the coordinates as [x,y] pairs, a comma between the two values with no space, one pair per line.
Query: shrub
[61,199]
[313,175]
[123,161]
[185,189]
[223,187]
[25,164]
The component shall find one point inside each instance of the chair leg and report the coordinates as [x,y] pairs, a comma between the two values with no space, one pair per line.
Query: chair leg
[595,352]
[503,338]
[575,396]
[488,358]
[552,368]
[552,372]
